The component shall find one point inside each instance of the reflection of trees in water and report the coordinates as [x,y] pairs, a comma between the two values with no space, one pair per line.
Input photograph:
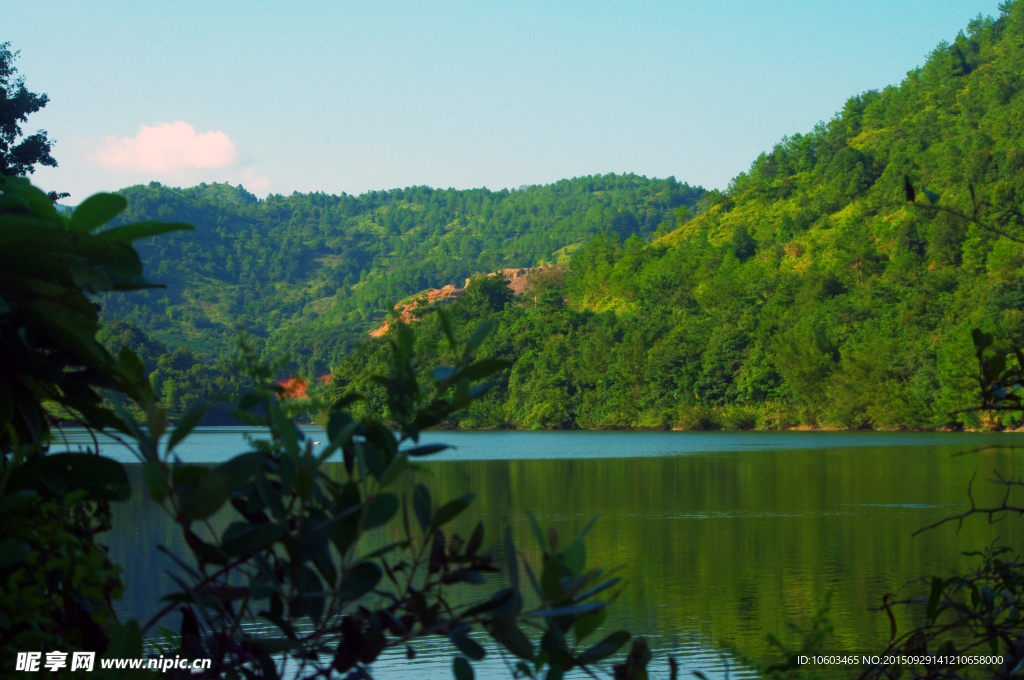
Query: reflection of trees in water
[725,546]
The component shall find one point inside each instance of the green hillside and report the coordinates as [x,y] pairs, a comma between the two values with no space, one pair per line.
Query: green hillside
[809,292]
[315,272]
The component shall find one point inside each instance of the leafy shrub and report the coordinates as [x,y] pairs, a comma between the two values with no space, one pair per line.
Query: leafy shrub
[738,418]
[698,417]
[292,555]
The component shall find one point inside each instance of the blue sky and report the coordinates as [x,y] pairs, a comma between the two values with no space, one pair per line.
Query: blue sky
[337,96]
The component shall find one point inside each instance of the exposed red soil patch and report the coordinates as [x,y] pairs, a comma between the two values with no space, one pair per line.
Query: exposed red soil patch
[297,388]
[518,281]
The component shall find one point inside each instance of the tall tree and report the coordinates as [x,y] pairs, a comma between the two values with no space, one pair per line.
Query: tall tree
[19,155]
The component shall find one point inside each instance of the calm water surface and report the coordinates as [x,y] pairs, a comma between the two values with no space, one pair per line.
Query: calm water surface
[722,536]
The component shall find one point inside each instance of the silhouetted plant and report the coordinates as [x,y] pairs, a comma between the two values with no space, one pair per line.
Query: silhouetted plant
[293,556]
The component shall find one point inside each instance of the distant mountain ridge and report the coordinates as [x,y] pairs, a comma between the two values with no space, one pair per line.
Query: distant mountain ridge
[286,265]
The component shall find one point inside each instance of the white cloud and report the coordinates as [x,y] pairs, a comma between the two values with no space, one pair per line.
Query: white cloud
[168,147]
[255,182]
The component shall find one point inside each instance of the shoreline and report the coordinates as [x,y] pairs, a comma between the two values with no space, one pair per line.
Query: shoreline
[794,428]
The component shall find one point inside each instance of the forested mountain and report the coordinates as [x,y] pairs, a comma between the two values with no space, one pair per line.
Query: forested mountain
[810,292]
[315,272]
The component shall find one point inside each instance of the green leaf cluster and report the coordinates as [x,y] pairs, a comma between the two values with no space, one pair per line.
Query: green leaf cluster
[292,558]
[58,582]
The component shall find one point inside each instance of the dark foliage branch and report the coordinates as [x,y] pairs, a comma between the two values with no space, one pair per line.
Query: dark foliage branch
[294,546]
[20,154]
[292,555]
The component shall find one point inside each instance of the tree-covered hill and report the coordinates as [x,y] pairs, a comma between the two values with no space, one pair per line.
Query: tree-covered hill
[316,271]
[809,292]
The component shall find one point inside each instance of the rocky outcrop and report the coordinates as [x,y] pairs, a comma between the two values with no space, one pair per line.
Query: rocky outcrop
[519,280]
[406,310]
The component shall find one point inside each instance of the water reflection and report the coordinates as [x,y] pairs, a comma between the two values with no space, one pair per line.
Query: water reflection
[720,546]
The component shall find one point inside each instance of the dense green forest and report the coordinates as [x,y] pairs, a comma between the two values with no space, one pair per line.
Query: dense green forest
[807,293]
[317,271]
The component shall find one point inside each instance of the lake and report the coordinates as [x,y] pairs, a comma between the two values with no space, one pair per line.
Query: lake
[723,536]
